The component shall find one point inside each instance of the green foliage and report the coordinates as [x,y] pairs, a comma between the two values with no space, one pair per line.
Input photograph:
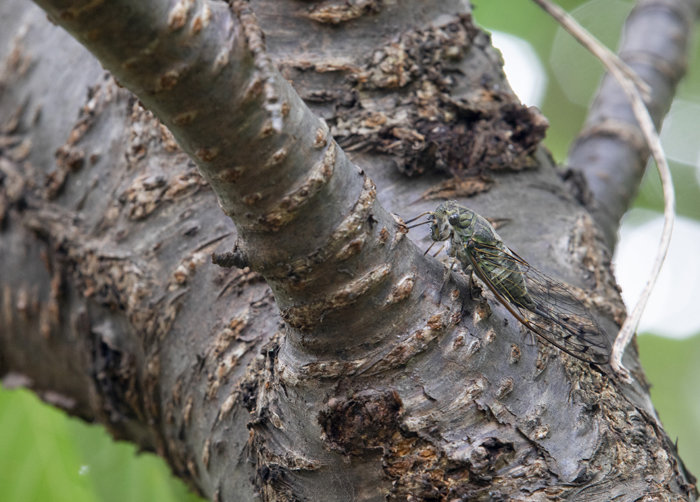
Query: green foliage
[48,456]
[672,369]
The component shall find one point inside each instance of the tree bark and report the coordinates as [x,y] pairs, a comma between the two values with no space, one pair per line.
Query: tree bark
[334,361]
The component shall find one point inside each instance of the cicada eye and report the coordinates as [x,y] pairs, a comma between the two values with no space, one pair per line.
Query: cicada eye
[453,218]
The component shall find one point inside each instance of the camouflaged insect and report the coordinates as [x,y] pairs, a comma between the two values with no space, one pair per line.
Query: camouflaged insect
[544,305]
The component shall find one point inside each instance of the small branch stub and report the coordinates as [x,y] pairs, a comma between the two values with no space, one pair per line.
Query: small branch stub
[234,258]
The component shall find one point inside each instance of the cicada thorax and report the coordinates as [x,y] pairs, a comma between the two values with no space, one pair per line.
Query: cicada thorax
[481,247]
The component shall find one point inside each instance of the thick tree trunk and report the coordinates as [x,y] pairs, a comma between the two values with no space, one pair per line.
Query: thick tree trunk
[384,376]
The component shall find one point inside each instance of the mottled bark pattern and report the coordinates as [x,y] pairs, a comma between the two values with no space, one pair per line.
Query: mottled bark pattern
[333,361]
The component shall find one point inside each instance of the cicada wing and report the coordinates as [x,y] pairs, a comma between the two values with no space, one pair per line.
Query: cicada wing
[549,308]
[557,305]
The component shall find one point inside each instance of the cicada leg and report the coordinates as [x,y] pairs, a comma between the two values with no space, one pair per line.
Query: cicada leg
[475,291]
[530,335]
[446,277]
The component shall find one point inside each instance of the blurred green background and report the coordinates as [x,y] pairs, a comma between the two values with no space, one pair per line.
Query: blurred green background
[48,456]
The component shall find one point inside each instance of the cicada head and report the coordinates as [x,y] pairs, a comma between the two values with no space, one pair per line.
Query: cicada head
[440,227]
[450,218]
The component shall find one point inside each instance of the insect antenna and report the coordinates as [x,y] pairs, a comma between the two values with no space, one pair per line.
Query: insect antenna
[416,217]
[419,224]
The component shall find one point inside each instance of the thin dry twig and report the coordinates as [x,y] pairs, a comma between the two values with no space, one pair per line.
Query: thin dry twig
[595,47]
[634,87]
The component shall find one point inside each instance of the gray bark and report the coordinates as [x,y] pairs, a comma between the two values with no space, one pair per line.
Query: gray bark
[384,376]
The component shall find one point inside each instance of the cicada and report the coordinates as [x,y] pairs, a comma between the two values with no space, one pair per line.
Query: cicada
[544,305]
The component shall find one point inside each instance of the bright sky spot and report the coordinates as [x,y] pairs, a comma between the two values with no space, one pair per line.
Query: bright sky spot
[673,309]
[680,134]
[523,68]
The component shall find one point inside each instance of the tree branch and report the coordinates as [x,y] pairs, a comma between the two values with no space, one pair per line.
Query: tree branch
[610,150]
[392,377]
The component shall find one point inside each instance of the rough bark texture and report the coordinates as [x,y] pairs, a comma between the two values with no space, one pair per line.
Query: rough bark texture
[384,376]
